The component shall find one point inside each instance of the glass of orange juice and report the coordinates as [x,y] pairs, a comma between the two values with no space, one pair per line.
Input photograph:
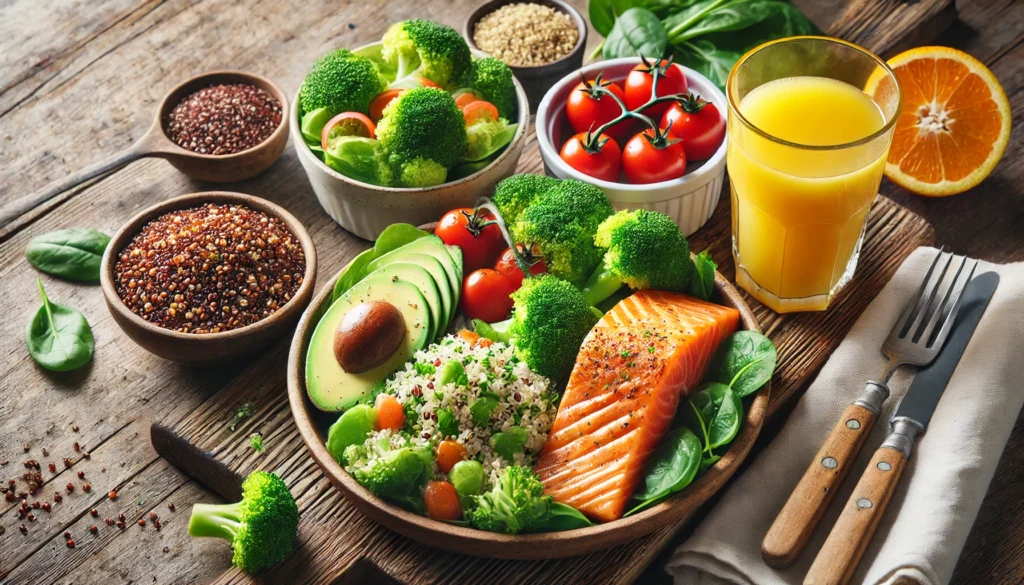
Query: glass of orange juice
[807,146]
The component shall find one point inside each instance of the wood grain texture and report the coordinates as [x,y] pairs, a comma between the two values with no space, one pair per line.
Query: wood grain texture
[792,528]
[839,556]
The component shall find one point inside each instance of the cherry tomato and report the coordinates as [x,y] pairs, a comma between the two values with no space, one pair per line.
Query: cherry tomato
[480,240]
[449,453]
[424,82]
[640,79]
[478,110]
[465,98]
[603,164]
[699,124]
[587,111]
[390,414]
[380,102]
[485,295]
[653,157]
[442,501]
[347,124]
[507,266]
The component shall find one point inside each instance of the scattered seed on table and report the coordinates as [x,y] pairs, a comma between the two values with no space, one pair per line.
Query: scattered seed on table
[152,516]
[223,119]
[112,495]
[25,447]
[120,517]
[57,497]
[46,506]
[70,487]
[156,524]
[31,517]
[67,462]
[93,529]
[67,535]
[77,446]
[81,475]
[120,524]
[45,452]
[23,529]
[52,467]
[74,428]
[87,487]
[108,521]
[85,454]
[142,521]
[170,506]
[94,512]
[71,544]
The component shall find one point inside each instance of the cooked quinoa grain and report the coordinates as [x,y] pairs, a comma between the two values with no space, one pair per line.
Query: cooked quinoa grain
[526,34]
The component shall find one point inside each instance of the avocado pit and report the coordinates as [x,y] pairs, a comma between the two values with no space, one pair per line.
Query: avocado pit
[368,335]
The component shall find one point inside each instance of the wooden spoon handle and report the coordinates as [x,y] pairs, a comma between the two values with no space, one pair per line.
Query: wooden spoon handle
[788,535]
[839,556]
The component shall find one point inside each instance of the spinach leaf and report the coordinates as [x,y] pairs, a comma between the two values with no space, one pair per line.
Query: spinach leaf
[721,410]
[673,465]
[646,504]
[718,16]
[707,462]
[744,362]
[706,59]
[73,253]
[703,282]
[562,517]
[637,33]
[58,337]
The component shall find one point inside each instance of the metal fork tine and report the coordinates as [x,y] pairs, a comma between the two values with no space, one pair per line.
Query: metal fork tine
[908,311]
[919,317]
[947,324]
[939,310]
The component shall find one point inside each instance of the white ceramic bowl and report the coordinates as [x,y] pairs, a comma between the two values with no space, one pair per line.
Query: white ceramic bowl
[689,200]
[365,209]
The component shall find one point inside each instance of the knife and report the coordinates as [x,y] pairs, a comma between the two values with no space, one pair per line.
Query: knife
[839,556]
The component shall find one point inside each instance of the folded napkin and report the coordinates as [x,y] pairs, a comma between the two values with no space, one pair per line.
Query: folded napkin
[938,497]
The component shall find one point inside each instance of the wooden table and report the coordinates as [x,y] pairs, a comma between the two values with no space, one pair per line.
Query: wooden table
[80,80]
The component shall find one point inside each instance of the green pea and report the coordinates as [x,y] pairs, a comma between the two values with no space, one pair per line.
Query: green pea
[351,428]
[450,373]
[468,477]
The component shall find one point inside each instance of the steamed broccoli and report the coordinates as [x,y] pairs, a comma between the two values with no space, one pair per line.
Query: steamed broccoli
[260,528]
[515,504]
[514,194]
[562,224]
[492,80]
[550,318]
[645,249]
[398,474]
[427,49]
[341,82]
[421,135]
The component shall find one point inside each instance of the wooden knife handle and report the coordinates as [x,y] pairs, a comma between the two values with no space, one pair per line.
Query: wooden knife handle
[838,558]
[792,528]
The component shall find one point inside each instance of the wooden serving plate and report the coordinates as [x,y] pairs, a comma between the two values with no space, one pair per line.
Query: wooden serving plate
[313,425]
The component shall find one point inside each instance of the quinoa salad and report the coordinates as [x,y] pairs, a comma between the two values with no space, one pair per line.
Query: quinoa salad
[495,407]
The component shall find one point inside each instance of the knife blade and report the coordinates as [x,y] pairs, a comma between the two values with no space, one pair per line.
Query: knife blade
[924,393]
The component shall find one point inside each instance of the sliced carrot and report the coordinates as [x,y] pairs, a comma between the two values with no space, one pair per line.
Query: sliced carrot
[477,110]
[381,101]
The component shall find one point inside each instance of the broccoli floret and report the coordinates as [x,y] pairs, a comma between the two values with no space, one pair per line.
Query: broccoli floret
[492,79]
[515,504]
[645,249]
[421,135]
[514,194]
[427,49]
[562,223]
[550,318]
[398,474]
[341,82]
[260,528]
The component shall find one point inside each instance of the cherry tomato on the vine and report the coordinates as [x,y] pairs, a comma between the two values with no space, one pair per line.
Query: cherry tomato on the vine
[475,232]
[603,162]
[507,266]
[699,124]
[588,109]
[346,124]
[641,78]
[485,295]
[653,157]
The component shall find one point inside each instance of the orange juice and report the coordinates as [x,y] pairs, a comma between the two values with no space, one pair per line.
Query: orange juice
[799,205]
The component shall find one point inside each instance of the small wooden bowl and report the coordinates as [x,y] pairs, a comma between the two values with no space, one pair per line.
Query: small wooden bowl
[207,349]
[313,424]
[536,80]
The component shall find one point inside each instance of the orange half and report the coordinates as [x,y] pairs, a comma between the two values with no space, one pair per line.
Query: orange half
[955,122]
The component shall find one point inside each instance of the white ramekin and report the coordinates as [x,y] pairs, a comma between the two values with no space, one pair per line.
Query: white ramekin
[365,209]
[689,200]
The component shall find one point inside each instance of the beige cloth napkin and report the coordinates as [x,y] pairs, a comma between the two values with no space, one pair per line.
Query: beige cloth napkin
[927,522]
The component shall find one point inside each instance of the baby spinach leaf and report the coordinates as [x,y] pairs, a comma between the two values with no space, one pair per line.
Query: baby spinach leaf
[703,282]
[73,253]
[721,410]
[562,517]
[673,465]
[708,60]
[646,504]
[637,33]
[58,337]
[744,362]
[707,462]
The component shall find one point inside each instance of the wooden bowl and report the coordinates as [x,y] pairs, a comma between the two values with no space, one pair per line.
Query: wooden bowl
[313,424]
[207,349]
[536,80]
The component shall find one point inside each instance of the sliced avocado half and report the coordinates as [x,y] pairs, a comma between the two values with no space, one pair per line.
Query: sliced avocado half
[424,281]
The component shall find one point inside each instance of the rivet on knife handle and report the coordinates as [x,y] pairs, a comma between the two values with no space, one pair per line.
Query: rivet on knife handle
[839,556]
[788,535]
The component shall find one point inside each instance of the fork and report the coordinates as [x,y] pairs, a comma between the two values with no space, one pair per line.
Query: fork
[914,340]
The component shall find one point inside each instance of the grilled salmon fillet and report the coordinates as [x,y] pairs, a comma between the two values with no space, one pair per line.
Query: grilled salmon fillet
[648,351]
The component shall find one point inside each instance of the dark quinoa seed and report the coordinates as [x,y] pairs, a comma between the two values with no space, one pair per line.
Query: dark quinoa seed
[210,269]
[223,119]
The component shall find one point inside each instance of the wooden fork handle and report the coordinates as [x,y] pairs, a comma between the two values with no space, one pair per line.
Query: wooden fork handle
[838,558]
[788,535]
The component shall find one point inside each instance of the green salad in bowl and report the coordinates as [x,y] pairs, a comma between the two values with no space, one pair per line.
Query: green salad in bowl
[415,110]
